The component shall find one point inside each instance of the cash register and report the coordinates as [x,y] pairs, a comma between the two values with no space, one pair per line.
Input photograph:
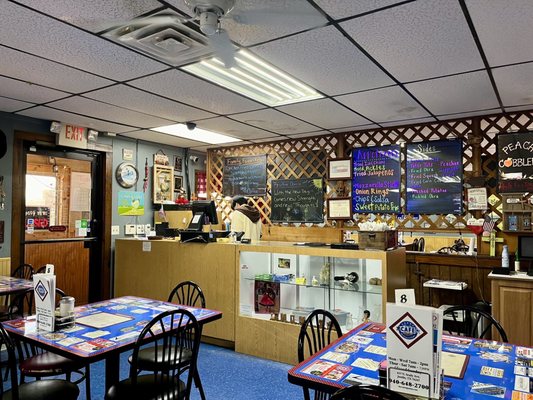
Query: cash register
[204,213]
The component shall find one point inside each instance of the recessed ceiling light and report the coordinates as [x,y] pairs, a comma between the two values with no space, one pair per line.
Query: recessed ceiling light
[254,78]
[198,134]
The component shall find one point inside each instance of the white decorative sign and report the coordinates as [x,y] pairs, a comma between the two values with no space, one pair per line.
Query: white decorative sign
[477,198]
[44,286]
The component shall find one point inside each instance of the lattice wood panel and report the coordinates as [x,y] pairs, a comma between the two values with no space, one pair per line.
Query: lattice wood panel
[307,157]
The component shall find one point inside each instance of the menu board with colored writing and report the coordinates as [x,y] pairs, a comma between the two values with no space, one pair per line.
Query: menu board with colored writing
[434,177]
[376,179]
[298,200]
[515,162]
[245,176]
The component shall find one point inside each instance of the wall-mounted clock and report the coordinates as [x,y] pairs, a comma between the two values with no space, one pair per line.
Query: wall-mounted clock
[127,175]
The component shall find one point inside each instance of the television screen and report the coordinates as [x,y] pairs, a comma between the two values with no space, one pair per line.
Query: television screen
[525,247]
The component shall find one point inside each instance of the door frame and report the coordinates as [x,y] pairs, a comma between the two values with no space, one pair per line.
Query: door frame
[100,265]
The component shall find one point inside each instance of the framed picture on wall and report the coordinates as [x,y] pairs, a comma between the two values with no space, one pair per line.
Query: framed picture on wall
[339,168]
[340,208]
[163,184]
[178,163]
[178,182]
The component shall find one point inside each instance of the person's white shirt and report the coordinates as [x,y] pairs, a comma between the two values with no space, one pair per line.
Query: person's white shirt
[241,223]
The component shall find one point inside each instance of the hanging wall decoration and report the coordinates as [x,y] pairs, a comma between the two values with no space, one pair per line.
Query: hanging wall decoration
[163,184]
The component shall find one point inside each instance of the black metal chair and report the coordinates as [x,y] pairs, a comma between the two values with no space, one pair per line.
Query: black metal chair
[25,271]
[186,293]
[48,389]
[319,329]
[472,321]
[366,392]
[176,340]
[38,363]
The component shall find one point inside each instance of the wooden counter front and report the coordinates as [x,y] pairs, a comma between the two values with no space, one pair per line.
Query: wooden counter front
[154,273]
[512,306]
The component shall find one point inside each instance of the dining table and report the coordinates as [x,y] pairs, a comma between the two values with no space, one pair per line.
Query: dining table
[473,368]
[102,330]
[10,285]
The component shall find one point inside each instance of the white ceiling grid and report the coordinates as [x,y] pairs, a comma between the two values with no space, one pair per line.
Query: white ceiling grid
[377,62]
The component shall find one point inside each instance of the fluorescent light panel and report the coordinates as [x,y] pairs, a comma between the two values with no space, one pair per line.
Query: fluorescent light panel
[254,78]
[198,134]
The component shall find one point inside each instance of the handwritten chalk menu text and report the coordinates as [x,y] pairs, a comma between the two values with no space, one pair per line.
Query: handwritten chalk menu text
[297,200]
[515,162]
[376,179]
[245,176]
[434,177]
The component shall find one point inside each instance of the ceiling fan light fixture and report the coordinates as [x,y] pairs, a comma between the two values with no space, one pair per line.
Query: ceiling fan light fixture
[254,78]
[197,134]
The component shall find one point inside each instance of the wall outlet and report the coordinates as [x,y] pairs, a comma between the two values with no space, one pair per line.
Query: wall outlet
[129,229]
[140,229]
[147,228]
[115,230]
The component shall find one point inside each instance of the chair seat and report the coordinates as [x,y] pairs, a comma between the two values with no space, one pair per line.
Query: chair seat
[148,360]
[48,364]
[48,389]
[148,387]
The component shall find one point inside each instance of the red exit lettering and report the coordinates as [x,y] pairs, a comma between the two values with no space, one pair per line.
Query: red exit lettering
[74,133]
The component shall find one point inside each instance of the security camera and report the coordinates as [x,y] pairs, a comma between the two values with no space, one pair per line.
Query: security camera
[194,159]
[190,125]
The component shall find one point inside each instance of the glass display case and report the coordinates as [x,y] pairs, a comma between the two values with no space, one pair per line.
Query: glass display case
[287,287]
[279,284]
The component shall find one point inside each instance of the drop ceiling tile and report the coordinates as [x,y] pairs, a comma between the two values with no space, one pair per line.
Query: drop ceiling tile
[137,100]
[332,64]
[309,134]
[188,89]
[418,40]
[26,91]
[413,121]
[93,15]
[274,121]
[325,113]
[51,114]
[253,21]
[52,39]
[339,9]
[233,128]
[109,112]
[47,73]
[520,108]
[515,84]
[469,114]
[504,29]
[12,105]
[355,128]
[387,104]
[457,93]
[205,148]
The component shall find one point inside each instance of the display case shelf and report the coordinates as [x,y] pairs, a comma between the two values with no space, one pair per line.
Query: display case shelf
[357,287]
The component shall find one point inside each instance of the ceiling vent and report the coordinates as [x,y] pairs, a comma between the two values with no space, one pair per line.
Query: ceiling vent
[163,36]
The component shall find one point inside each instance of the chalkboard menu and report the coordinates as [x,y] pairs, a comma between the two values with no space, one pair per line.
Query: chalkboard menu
[434,177]
[245,176]
[297,200]
[376,179]
[515,162]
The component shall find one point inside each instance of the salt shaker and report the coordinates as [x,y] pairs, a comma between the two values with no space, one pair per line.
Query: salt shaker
[66,306]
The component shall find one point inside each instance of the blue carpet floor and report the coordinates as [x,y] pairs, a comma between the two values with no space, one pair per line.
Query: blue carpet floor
[225,374]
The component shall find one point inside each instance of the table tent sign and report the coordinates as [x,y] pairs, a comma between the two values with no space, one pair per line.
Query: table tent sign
[414,350]
[44,286]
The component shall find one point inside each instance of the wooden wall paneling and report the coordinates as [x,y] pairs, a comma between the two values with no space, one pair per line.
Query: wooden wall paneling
[5,266]
[71,262]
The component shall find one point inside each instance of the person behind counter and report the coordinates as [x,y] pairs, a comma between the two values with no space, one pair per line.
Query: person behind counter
[245,218]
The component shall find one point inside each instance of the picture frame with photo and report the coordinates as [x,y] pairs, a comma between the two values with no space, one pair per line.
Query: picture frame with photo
[178,182]
[340,208]
[178,163]
[339,169]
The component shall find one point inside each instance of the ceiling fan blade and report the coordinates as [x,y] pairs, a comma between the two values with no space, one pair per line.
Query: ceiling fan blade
[222,47]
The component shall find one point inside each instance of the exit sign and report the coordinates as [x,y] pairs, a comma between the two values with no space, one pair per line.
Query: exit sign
[72,136]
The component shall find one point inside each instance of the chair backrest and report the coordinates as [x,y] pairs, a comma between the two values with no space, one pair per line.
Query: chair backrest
[23,303]
[319,329]
[25,271]
[187,293]
[41,270]
[473,322]
[176,339]
[6,340]
[366,392]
